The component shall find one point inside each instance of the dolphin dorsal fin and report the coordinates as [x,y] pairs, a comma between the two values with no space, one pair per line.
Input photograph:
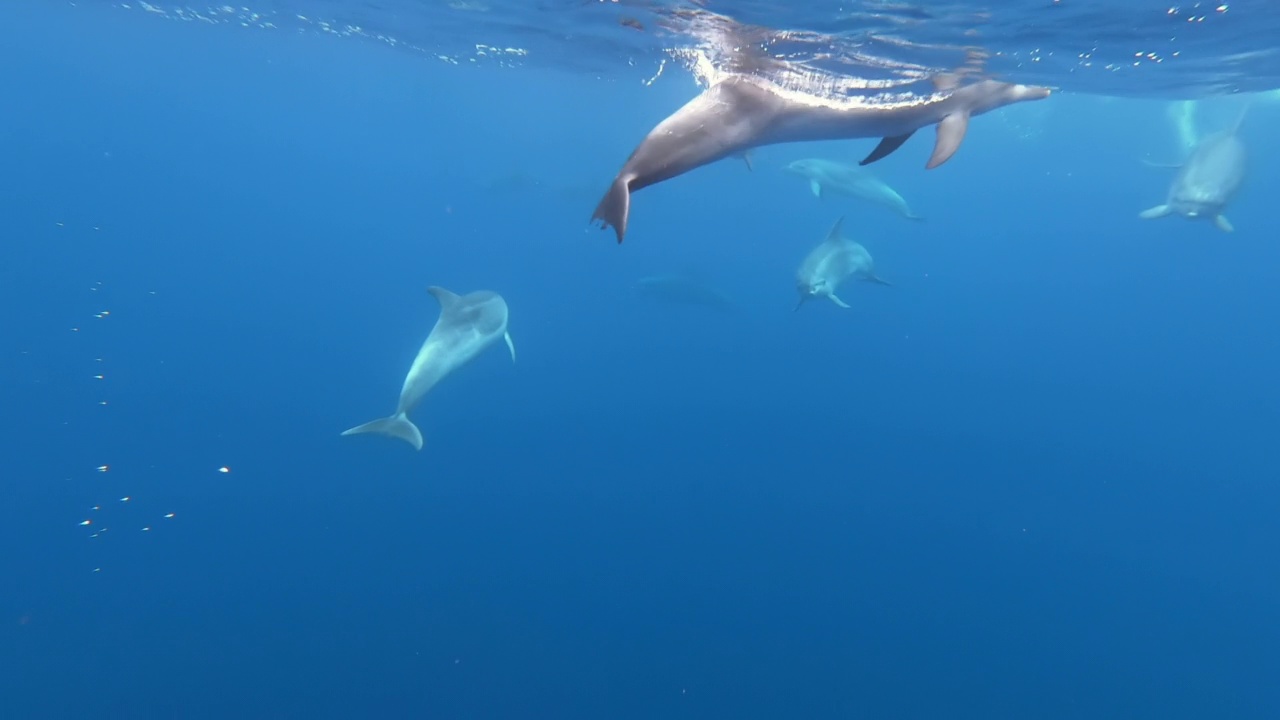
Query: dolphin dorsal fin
[834,235]
[446,298]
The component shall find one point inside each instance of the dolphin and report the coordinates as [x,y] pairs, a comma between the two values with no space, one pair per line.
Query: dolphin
[684,290]
[830,176]
[467,325]
[1207,181]
[830,263]
[740,112]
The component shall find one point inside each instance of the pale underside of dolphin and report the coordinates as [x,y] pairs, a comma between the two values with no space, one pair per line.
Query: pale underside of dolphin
[828,177]
[1207,181]
[741,112]
[467,325]
[834,260]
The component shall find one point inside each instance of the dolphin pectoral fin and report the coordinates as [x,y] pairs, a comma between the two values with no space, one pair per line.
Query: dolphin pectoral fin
[913,216]
[396,426]
[1223,223]
[816,188]
[615,206]
[799,304]
[838,301]
[746,158]
[886,146]
[1161,165]
[878,280]
[1158,211]
[950,134]
[510,345]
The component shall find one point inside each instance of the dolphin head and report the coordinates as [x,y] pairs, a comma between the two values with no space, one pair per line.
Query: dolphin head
[800,167]
[986,95]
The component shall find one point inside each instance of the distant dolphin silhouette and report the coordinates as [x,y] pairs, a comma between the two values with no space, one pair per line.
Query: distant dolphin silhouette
[830,263]
[683,290]
[740,112]
[1207,181]
[467,325]
[828,176]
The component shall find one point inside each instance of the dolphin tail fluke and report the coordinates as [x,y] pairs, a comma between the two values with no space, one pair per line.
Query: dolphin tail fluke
[1223,223]
[886,146]
[615,206]
[1158,211]
[838,301]
[510,345]
[951,132]
[396,426]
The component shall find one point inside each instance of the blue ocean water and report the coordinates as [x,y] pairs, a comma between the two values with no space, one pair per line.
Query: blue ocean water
[1035,478]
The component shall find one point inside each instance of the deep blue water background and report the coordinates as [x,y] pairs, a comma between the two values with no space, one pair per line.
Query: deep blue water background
[1035,478]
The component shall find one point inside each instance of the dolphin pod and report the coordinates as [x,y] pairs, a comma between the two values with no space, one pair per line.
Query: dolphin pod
[467,325]
[740,113]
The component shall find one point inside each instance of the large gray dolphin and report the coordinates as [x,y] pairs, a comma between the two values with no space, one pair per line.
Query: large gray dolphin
[1207,181]
[741,112]
[830,263]
[467,325]
[827,177]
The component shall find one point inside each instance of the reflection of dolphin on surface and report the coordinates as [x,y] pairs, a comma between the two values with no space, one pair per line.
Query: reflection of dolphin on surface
[830,263]
[683,290]
[830,177]
[467,324]
[1207,181]
[740,113]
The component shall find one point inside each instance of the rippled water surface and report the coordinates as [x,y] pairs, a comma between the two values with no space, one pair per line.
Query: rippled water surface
[1136,48]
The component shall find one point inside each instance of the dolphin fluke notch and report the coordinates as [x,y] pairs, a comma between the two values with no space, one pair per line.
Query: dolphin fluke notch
[396,426]
[614,207]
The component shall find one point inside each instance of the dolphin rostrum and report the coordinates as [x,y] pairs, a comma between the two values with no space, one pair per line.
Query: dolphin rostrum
[467,325]
[830,263]
[740,112]
[1207,181]
[830,177]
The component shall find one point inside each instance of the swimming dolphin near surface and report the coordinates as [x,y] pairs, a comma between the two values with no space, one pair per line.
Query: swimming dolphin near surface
[740,112]
[1207,181]
[830,177]
[467,325]
[684,290]
[830,263]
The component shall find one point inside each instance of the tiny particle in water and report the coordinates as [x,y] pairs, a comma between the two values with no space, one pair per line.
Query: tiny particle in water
[97,569]
[86,523]
[169,515]
[224,469]
[103,468]
[146,529]
[124,499]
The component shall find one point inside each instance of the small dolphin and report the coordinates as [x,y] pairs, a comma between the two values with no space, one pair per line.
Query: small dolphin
[684,290]
[828,176]
[467,325]
[739,113]
[830,263]
[1207,181]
